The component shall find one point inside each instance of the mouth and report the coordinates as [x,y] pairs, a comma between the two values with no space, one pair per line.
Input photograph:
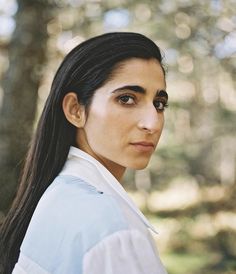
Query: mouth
[144,146]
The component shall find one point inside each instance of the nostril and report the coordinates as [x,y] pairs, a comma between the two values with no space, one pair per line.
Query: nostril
[148,130]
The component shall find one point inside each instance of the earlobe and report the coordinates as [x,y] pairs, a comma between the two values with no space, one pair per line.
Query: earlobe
[73,110]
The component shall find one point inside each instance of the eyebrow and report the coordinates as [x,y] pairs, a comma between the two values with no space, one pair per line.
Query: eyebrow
[139,89]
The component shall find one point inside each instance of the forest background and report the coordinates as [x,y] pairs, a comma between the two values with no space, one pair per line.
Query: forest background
[188,190]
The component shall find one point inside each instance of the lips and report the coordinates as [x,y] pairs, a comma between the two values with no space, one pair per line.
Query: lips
[143,146]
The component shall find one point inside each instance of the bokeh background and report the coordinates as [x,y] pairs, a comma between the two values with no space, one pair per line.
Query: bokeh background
[188,190]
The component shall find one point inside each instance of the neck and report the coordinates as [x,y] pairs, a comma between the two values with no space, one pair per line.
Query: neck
[116,170]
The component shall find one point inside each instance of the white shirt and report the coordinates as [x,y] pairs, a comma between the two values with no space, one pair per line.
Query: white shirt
[103,231]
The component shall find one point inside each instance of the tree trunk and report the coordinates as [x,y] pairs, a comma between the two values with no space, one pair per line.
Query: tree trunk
[27,55]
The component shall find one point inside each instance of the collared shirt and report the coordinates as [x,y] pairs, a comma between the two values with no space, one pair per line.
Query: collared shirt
[86,223]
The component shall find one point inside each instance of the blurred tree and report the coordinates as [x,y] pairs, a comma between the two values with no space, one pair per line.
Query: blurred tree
[27,52]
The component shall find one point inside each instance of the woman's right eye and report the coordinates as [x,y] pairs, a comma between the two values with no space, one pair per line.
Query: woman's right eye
[126,100]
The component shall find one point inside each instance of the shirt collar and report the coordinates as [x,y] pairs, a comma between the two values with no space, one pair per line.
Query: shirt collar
[84,166]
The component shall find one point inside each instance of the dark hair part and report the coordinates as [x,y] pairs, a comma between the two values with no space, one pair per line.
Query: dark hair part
[86,68]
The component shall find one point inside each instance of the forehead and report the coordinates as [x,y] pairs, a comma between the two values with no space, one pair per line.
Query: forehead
[139,71]
[135,62]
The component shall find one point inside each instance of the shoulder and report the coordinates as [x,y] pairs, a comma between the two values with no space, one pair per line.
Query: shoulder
[71,200]
[79,203]
[71,217]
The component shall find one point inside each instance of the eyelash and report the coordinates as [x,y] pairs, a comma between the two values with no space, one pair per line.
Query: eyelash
[164,105]
[127,96]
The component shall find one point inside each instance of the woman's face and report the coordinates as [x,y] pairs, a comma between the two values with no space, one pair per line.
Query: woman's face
[126,117]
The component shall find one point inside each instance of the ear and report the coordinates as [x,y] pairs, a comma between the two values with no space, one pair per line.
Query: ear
[73,110]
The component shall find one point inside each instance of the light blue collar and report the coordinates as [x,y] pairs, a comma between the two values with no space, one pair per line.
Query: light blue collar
[84,166]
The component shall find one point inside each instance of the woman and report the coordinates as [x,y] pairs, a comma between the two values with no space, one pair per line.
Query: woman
[105,112]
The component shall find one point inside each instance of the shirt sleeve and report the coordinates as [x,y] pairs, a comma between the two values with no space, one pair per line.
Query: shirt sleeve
[126,251]
[25,266]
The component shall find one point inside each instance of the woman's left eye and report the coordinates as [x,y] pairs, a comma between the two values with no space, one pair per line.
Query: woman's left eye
[160,106]
[126,100]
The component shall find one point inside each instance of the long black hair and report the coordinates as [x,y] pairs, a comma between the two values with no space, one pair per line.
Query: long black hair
[86,68]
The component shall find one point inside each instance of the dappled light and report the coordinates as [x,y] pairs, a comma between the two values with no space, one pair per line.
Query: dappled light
[188,190]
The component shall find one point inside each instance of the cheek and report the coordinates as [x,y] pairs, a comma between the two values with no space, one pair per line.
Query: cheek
[106,128]
[162,121]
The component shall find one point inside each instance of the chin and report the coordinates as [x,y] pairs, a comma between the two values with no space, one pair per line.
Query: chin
[140,165]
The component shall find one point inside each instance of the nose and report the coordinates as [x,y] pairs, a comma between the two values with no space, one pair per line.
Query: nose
[151,121]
